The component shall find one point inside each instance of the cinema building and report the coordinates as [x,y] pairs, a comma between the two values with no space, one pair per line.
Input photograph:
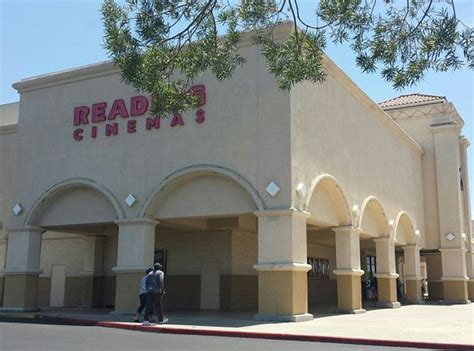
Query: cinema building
[259,199]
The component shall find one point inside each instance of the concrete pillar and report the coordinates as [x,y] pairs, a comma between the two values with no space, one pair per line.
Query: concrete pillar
[413,275]
[136,247]
[386,273]
[22,269]
[470,270]
[348,272]
[92,289]
[282,266]
[464,144]
[455,287]
[451,212]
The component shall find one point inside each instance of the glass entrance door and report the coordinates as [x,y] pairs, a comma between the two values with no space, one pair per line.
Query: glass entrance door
[370,279]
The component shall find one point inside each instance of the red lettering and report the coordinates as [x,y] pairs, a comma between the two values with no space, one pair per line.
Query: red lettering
[98,112]
[200,116]
[138,105]
[80,115]
[177,120]
[118,108]
[132,126]
[111,129]
[153,123]
[200,91]
[77,135]
[94,132]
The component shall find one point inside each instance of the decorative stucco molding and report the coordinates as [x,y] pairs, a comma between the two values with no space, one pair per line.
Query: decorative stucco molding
[319,180]
[426,111]
[71,183]
[8,129]
[204,170]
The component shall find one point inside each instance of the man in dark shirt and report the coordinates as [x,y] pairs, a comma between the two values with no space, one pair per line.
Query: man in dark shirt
[155,283]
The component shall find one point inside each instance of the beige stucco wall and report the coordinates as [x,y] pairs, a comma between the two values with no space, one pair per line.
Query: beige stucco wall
[68,249]
[9,113]
[61,249]
[244,117]
[418,126]
[187,250]
[244,252]
[8,137]
[336,130]
[234,252]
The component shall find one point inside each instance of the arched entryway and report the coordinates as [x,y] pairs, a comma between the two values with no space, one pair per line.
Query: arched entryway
[377,255]
[199,224]
[63,254]
[333,246]
[411,269]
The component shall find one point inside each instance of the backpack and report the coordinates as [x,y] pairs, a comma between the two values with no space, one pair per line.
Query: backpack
[151,283]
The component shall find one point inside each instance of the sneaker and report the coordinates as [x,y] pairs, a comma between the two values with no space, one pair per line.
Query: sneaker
[146,323]
[165,320]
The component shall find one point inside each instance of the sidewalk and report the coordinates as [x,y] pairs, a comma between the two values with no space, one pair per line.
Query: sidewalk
[426,326]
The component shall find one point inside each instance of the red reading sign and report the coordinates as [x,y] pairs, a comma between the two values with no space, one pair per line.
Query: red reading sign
[85,116]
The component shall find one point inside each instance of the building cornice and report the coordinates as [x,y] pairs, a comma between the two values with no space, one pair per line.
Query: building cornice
[8,129]
[414,104]
[445,127]
[426,111]
[106,68]
[67,76]
[334,71]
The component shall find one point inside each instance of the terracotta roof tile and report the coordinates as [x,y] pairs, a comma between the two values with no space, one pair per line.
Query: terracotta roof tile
[411,99]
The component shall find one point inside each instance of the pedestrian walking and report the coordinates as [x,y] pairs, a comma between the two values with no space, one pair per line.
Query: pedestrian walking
[155,283]
[142,294]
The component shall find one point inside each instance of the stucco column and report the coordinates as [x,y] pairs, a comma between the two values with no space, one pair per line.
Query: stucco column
[348,272]
[22,268]
[282,266]
[470,270]
[413,275]
[464,144]
[454,275]
[451,212]
[92,289]
[386,273]
[136,247]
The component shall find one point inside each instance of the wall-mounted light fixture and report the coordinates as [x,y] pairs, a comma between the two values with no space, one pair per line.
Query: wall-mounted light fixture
[301,190]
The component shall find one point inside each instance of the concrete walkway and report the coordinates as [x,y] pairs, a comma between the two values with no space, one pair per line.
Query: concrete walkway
[431,324]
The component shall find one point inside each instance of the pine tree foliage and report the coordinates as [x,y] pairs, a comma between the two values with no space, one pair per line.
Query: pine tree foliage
[163,46]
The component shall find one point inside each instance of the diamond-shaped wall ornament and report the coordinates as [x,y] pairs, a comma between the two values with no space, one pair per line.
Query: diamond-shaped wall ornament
[301,190]
[17,209]
[130,200]
[450,236]
[272,189]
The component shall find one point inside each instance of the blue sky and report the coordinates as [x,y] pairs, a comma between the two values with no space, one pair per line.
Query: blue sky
[43,36]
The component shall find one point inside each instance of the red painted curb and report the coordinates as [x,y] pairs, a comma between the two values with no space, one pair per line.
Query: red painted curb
[254,335]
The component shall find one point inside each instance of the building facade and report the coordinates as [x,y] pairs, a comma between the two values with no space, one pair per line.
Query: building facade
[259,199]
